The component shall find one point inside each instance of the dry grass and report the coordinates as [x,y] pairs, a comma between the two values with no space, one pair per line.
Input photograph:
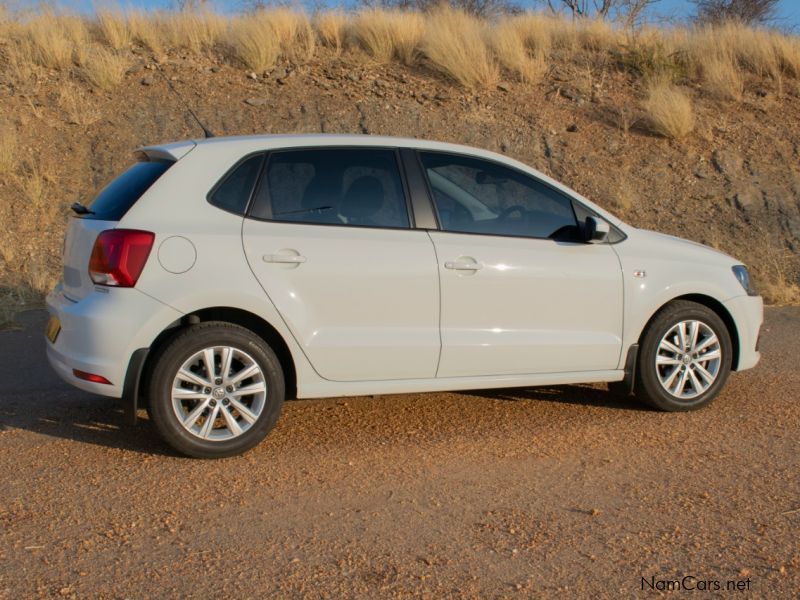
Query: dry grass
[259,39]
[145,31]
[669,109]
[508,41]
[195,31]
[50,41]
[722,79]
[77,108]
[254,43]
[114,29]
[387,35]
[331,27]
[103,68]
[456,47]
[8,151]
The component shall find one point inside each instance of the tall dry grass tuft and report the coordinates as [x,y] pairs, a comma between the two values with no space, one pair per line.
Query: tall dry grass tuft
[195,31]
[331,27]
[293,30]
[508,42]
[259,39]
[669,109]
[146,31]
[456,47]
[103,68]
[253,42]
[51,40]
[721,78]
[114,29]
[389,34]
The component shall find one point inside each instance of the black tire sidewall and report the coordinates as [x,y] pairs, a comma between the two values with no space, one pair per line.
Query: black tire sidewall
[175,352]
[649,388]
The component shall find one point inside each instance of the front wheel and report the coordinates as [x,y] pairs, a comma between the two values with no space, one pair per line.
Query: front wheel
[216,390]
[685,358]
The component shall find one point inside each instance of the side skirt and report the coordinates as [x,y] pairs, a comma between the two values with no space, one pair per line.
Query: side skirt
[331,389]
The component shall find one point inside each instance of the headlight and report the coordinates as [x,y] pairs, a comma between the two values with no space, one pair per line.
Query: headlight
[740,271]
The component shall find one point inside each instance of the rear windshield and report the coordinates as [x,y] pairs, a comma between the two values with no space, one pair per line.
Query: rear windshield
[117,197]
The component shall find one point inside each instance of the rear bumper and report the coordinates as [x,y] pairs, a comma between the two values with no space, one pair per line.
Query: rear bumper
[748,314]
[100,333]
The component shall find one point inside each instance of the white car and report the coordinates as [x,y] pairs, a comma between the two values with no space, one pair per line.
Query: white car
[215,278]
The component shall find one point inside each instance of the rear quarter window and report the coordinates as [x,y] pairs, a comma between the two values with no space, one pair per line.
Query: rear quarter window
[117,197]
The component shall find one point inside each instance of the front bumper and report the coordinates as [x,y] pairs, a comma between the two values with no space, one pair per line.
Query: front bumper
[748,315]
[100,332]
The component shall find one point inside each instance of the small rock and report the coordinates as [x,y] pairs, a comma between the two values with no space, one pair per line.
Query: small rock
[571,94]
[572,128]
[252,75]
[280,74]
[137,68]
[215,69]
[747,198]
[594,512]
[256,101]
[762,92]
[380,83]
[503,87]
[726,162]
[353,76]
[147,80]
[441,96]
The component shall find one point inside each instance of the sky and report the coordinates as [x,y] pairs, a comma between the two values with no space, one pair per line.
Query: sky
[664,10]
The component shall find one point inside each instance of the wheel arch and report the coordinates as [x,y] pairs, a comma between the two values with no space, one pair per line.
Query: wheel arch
[237,316]
[712,304]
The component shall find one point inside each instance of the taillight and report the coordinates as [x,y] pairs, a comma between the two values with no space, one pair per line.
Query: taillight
[119,255]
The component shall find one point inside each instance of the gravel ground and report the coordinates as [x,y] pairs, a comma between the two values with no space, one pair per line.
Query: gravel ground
[509,493]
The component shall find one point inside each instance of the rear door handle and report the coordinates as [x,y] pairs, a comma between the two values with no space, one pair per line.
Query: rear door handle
[463,265]
[286,259]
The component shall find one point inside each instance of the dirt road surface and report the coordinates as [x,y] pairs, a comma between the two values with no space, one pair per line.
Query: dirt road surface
[518,493]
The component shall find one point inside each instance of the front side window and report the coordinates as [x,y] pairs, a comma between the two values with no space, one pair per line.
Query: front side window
[479,196]
[336,186]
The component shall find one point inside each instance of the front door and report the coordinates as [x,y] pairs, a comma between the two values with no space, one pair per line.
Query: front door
[521,292]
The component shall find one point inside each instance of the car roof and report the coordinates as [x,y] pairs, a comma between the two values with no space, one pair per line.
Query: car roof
[273,141]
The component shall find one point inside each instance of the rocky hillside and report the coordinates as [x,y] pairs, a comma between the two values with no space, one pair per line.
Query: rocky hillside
[732,183]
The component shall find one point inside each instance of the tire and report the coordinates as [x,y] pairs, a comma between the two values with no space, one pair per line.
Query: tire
[245,411]
[679,383]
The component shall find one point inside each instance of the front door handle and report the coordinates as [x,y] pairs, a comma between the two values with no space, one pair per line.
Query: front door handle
[286,259]
[463,264]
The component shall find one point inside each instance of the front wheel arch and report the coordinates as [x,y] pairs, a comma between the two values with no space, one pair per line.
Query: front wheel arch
[711,304]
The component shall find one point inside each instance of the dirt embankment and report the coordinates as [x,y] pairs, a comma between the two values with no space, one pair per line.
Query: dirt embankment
[734,183]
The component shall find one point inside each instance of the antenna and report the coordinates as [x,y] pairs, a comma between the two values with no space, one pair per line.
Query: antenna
[206,131]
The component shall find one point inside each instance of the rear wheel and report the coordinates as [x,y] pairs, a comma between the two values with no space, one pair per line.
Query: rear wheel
[685,358]
[216,390]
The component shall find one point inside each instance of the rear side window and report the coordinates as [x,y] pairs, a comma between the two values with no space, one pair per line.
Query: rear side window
[358,187]
[117,197]
[233,192]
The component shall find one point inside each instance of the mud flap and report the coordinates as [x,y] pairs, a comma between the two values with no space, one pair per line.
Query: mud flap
[130,389]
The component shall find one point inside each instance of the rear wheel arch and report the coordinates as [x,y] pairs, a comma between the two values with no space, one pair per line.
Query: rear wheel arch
[237,316]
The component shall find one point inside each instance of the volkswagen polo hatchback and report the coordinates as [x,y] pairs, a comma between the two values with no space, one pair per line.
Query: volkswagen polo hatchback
[215,278]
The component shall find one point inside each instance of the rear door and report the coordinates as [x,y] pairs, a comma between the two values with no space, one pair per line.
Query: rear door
[330,239]
[521,292]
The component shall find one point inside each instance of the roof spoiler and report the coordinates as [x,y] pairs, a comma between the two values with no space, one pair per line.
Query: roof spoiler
[174,151]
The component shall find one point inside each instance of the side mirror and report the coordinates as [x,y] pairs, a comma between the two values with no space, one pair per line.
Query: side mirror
[596,229]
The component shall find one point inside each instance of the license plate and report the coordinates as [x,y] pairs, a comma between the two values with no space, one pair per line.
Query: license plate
[53,329]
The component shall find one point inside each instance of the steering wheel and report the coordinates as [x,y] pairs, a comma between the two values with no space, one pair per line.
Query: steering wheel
[507,212]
